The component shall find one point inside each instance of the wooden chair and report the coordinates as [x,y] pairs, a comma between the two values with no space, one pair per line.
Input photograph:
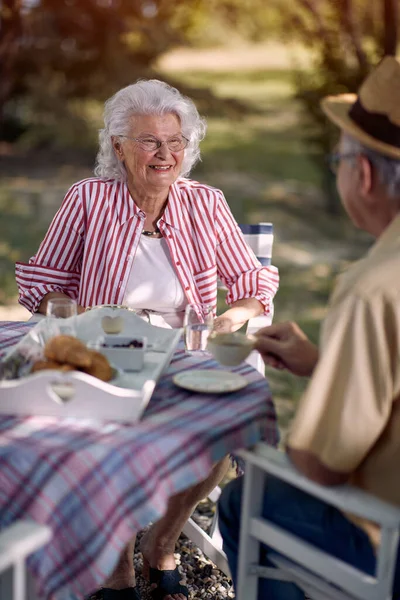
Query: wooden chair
[17,542]
[320,575]
[260,238]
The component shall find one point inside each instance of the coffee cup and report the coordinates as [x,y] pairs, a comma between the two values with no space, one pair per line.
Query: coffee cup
[230,349]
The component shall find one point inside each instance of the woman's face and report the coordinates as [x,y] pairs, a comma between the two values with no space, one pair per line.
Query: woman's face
[150,171]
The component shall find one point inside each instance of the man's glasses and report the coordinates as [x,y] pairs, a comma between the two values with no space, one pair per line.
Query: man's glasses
[151,144]
[335,158]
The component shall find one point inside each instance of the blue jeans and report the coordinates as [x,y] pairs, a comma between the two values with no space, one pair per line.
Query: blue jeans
[305,516]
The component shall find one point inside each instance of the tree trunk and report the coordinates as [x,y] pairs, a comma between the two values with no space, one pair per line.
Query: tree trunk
[390,32]
[10,35]
[346,12]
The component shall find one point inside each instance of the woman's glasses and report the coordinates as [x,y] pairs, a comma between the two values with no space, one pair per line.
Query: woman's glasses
[149,143]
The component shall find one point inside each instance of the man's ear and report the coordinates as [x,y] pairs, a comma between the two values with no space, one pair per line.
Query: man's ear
[366,173]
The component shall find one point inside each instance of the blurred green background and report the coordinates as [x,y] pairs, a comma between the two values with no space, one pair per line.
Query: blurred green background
[256,70]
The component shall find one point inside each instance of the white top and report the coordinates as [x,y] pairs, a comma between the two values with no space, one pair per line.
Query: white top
[153,284]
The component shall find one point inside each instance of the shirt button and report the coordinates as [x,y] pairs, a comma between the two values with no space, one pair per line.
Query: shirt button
[177,263]
[169,235]
[187,288]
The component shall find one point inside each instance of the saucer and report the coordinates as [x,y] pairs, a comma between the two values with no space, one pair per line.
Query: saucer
[210,381]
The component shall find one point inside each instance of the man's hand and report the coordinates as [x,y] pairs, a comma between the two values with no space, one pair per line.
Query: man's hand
[285,345]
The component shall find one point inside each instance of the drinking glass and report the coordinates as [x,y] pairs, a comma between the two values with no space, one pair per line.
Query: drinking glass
[61,314]
[198,324]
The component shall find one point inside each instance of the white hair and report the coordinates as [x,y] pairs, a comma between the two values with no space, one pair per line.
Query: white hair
[146,97]
[388,168]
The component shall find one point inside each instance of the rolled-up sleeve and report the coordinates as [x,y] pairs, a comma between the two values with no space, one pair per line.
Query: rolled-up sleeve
[237,265]
[57,265]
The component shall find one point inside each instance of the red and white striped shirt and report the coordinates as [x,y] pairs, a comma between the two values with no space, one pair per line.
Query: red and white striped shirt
[91,243]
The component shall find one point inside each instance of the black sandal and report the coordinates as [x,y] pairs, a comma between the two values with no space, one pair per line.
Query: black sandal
[110,594]
[167,582]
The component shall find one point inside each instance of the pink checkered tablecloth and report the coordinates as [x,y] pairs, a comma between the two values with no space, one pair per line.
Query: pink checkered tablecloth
[95,484]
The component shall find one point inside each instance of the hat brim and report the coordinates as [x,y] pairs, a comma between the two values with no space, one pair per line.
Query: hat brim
[337,109]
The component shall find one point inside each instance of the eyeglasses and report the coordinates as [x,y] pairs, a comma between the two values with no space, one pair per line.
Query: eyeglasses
[151,144]
[335,158]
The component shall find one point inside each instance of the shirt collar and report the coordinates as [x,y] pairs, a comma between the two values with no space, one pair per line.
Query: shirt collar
[125,205]
[389,239]
[173,211]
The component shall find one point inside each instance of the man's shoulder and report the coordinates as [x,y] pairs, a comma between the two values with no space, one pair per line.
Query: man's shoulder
[370,278]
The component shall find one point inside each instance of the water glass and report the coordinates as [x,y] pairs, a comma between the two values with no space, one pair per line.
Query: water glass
[61,314]
[198,324]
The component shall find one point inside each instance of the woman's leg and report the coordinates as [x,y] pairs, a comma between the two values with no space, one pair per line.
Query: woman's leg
[158,544]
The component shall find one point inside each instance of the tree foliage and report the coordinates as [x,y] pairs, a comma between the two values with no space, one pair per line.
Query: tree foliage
[92,43]
[53,52]
[346,39]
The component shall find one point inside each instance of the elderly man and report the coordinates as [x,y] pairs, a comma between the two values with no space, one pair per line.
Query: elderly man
[347,427]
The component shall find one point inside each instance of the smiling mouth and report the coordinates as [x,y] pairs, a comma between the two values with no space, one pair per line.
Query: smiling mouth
[160,168]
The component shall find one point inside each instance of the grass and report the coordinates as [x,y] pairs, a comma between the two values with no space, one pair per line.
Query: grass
[260,157]
[19,234]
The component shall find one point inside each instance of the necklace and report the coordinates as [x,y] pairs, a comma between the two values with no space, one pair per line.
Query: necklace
[151,233]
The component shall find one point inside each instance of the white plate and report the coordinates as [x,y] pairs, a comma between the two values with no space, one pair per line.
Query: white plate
[210,381]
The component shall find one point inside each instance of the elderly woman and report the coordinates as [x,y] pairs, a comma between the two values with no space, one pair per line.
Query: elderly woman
[141,234]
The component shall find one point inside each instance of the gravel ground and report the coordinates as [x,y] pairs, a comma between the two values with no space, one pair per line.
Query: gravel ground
[204,580]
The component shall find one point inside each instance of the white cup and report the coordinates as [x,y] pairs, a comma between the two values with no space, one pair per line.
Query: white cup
[230,349]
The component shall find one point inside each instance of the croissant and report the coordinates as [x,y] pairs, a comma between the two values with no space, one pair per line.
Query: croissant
[41,365]
[99,367]
[68,349]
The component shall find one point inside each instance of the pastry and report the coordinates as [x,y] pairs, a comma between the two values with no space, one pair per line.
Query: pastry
[68,349]
[100,367]
[42,365]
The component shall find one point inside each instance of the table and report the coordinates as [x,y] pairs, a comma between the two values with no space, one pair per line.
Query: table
[97,483]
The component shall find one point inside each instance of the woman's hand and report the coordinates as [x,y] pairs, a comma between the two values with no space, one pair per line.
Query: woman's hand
[50,296]
[237,315]
[285,345]
[223,324]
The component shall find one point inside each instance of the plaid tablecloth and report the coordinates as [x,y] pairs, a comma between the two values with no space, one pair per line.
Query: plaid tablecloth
[96,484]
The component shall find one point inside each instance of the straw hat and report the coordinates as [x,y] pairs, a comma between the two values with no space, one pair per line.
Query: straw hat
[373,116]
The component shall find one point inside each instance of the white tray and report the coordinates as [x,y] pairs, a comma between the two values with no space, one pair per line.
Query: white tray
[75,394]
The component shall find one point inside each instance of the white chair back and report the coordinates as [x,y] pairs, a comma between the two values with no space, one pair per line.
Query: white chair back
[260,238]
[320,575]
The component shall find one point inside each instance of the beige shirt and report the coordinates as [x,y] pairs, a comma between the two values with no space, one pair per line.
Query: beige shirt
[349,416]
